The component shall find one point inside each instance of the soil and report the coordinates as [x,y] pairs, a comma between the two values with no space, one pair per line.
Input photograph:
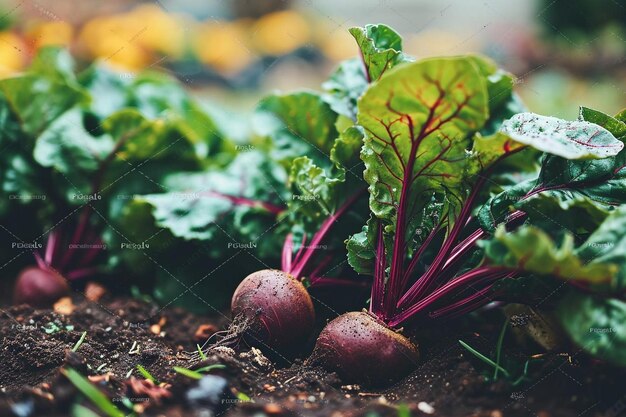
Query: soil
[122,333]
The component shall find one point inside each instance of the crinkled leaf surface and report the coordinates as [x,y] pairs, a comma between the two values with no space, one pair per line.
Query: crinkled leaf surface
[530,249]
[417,120]
[298,124]
[344,87]
[571,140]
[381,49]
[197,205]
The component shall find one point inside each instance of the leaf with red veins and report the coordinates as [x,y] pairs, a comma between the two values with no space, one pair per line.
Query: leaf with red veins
[571,140]
[419,119]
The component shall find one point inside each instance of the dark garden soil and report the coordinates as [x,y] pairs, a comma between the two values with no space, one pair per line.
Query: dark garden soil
[122,333]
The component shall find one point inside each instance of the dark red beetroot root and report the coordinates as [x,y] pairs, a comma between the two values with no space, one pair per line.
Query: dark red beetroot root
[278,308]
[39,287]
[363,350]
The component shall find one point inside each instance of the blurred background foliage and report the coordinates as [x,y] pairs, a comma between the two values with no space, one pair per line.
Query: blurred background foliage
[233,51]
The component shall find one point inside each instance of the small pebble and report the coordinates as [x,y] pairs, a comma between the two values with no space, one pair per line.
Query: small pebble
[425,408]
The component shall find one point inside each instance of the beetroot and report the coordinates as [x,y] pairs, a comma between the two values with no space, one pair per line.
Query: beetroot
[277,308]
[39,287]
[362,349]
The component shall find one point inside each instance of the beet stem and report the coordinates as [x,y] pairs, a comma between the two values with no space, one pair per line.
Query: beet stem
[301,264]
[287,253]
[474,277]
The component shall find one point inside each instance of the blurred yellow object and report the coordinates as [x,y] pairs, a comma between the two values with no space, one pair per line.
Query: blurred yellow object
[50,33]
[338,44]
[13,54]
[163,32]
[115,40]
[280,33]
[223,45]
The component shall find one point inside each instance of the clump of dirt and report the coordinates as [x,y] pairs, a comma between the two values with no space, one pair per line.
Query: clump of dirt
[122,333]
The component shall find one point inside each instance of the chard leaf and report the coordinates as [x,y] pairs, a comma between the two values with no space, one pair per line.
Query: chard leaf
[344,87]
[607,244]
[596,325]
[362,248]
[298,124]
[554,210]
[530,249]
[499,82]
[571,140]
[613,125]
[140,138]
[324,190]
[418,120]
[601,180]
[46,91]
[238,204]
[381,49]
[67,146]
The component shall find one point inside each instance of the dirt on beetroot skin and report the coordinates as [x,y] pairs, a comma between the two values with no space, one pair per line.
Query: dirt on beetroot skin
[123,333]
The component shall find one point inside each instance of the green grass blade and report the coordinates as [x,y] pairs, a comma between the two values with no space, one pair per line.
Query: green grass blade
[144,372]
[499,348]
[484,358]
[202,354]
[211,367]
[80,342]
[94,395]
[188,372]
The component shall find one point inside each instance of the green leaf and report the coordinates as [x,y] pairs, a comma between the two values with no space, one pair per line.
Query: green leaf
[596,325]
[381,48]
[570,140]
[238,203]
[557,209]
[344,87]
[140,138]
[418,120]
[318,192]
[92,393]
[607,245]
[69,148]
[47,90]
[613,125]
[499,82]
[530,249]
[362,248]
[298,124]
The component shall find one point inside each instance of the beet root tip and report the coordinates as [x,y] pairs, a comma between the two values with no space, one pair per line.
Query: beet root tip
[363,350]
[277,307]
